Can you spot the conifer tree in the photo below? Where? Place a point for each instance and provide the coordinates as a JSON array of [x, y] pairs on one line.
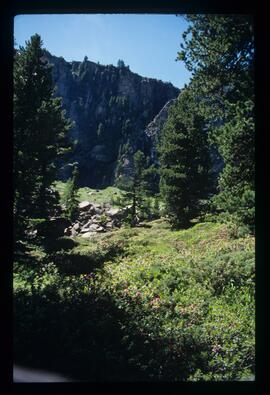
[[139, 162], [40, 129], [185, 161], [71, 195], [136, 187], [219, 51]]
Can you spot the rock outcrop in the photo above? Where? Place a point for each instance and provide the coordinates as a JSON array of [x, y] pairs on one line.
[[154, 129], [95, 218], [111, 107]]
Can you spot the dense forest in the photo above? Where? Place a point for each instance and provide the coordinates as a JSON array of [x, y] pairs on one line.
[[134, 213]]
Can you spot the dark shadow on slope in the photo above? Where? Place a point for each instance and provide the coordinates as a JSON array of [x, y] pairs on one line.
[[81, 338]]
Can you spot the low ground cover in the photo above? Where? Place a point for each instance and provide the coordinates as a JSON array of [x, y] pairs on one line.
[[145, 303]]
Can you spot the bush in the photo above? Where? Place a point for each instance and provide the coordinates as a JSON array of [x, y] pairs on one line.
[[60, 243], [85, 261]]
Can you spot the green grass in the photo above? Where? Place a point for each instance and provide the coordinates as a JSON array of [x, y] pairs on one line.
[[173, 305], [97, 196], [197, 281]]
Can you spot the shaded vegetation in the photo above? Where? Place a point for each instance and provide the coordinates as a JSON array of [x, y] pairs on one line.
[[151, 304]]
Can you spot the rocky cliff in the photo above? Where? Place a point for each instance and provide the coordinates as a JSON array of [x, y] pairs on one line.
[[154, 128], [111, 107]]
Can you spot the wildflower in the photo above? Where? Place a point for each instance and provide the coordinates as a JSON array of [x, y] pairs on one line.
[[216, 348]]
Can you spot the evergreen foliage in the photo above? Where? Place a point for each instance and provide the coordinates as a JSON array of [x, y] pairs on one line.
[[40, 128], [138, 189], [71, 196], [185, 161], [219, 50], [120, 63]]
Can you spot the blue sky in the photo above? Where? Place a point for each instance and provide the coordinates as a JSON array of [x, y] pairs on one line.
[[148, 43]]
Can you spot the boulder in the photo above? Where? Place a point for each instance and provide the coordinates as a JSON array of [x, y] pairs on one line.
[[87, 224], [94, 228], [74, 233], [85, 205], [85, 230], [84, 216], [114, 212], [96, 209], [76, 226]]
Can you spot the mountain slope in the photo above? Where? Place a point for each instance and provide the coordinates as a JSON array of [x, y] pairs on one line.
[[111, 107]]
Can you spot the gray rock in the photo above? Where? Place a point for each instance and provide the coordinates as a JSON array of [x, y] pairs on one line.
[[91, 96], [87, 224], [100, 229], [92, 210], [94, 227], [85, 205], [114, 212], [74, 233], [76, 226], [85, 230], [96, 209]]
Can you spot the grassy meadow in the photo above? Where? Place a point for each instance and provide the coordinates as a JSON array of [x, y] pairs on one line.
[[139, 304]]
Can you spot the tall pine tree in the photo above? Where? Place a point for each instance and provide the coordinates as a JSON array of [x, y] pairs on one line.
[[185, 161], [219, 51], [40, 128]]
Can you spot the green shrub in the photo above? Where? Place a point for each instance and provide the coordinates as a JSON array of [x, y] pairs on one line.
[[85, 261], [60, 243], [141, 305]]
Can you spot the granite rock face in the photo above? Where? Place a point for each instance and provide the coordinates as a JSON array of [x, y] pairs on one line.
[[111, 108], [154, 129]]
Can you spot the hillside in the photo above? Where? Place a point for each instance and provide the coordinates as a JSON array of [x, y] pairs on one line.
[[111, 107], [140, 304]]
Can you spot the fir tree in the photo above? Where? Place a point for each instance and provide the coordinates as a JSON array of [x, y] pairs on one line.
[[185, 161], [135, 187], [71, 196], [219, 51], [139, 162], [40, 129]]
